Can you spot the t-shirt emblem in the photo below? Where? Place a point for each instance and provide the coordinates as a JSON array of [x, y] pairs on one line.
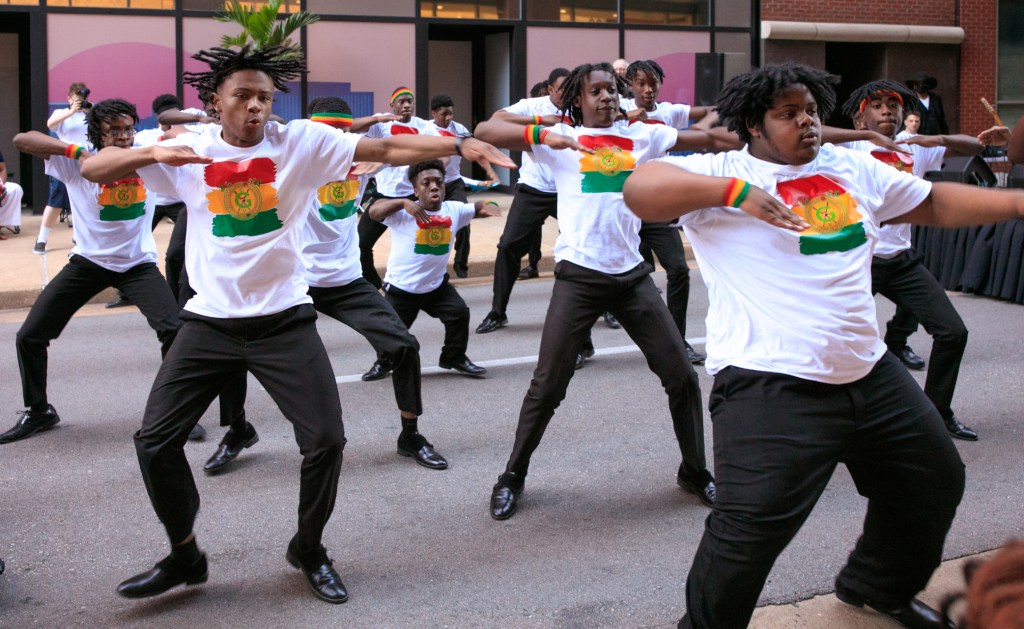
[[338, 199], [608, 167], [122, 200], [243, 199], [835, 223], [434, 236]]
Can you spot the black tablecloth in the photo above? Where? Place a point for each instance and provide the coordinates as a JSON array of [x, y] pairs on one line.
[[986, 260]]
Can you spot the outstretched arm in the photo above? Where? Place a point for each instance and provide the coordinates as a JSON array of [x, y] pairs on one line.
[[658, 191], [835, 135], [113, 163], [715, 140], [486, 209], [383, 208], [959, 205], [403, 150], [41, 145], [509, 135], [955, 144], [171, 117]]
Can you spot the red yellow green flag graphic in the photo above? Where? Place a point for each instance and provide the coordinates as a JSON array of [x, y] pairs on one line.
[[434, 237], [900, 161], [397, 129], [122, 200], [338, 199], [829, 209], [243, 197], [607, 169]]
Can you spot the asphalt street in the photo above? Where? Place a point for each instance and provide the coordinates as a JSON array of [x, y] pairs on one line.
[[604, 538]]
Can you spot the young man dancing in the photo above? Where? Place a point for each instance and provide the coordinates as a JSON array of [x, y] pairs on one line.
[[247, 187], [897, 271], [416, 279], [599, 268], [807, 383], [115, 248]]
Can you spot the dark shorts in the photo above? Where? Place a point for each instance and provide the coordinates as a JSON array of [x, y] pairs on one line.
[[58, 195]]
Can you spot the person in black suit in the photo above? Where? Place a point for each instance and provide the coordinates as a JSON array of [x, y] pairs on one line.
[[933, 117]]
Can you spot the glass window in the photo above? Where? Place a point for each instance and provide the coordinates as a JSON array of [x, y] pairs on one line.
[[599, 11], [17, 2], [287, 6], [1011, 59], [671, 12], [110, 4], [492, 10], [379, 8], [732, 13]]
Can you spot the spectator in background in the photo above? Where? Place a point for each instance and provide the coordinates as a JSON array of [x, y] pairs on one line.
[[912, 122], [10, 203], [933, 116], [69, 125]]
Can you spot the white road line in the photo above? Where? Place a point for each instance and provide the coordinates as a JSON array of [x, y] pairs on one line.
[[519, 360]]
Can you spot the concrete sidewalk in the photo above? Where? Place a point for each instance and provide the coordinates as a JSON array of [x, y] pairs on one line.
[[24, 274]]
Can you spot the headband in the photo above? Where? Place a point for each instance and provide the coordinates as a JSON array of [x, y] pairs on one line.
[[402, 91], [334, 119], [878, 93]]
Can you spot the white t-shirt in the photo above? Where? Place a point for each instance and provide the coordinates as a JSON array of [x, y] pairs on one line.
[[331, 237], [894, 239], [73, 128], [419, 252], [112, 220], [393, 181], [675, 115], [246, 211], [797, 303], [533, 174], [148, 137], [454, 130], [596, 229]]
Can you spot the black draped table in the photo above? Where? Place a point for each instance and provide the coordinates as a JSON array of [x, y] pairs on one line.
[[986, 260]]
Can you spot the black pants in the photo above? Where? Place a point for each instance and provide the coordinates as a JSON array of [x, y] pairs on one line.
[[533, 255], [287, 356], [370, 232], [579, 296], [777, 441], [530, 208], [444, 303], [79, 281], [455, 190], [664, 241], [899, 328], [361, 307], [906, 282], [174, 258]]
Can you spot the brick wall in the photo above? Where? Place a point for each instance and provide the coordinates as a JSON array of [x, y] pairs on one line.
[[977, 63], [930, 12]]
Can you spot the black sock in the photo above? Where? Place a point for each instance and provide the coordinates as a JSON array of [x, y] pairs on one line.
[[409, 426], [187, 553]]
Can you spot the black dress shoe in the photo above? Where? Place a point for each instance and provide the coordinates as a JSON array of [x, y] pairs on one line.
[[914, 614], [323, 579], [198, 433], [120, 302], [958, 430], [696, 358], [464, 366], [528, 273], [230, 447], [702, 486], [909, 358], [31, 422], [611, 321], [421, 451], [505, 495], [584, 355], [461, 272], [377, 372], [491, 323], [165, 575]]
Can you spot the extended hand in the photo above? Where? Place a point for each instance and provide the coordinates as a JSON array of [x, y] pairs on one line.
[[416, 211], [558, 141], [888, 143], [484, 153], [996, 136], [767, 208], [178, 156]]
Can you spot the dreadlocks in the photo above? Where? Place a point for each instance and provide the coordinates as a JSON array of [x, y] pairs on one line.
[[573, 88], [224, 62], [874, 89], [107, 111], [746, 98], [648, 67]]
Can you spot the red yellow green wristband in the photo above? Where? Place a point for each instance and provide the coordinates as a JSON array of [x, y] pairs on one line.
[[736, 192], [534, 134], [73, 151]]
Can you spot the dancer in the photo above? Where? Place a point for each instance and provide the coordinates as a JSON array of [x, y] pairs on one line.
[[808, 383], [247, 186]]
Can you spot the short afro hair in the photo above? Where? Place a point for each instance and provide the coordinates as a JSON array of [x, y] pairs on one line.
[[164, 102], [430, 164], [441, 100], [332, 104], [746, 98]]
